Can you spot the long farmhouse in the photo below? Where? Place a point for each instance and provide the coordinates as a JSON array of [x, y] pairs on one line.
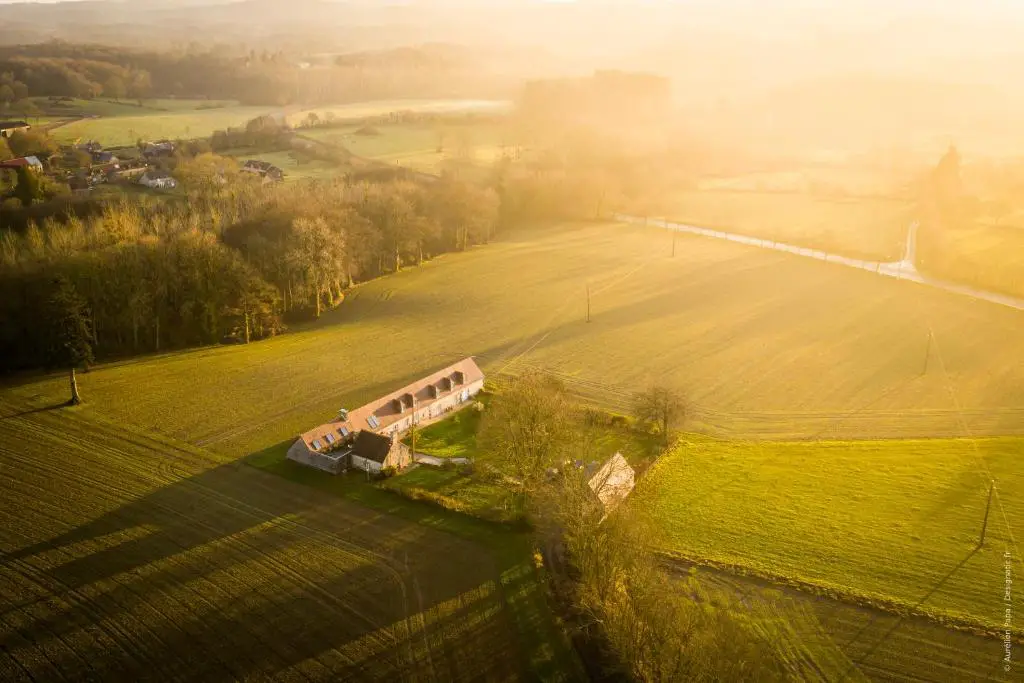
[[369, 438]]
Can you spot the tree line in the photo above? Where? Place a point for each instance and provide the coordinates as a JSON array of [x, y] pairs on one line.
[[60, 69], [237, 263]]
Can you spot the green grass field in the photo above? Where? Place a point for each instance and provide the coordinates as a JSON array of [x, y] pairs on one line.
[[415, 145], [363, 110], [761, 343], [873, 229], [126, 127], [887, 521], [125, 554], [827, 640], [123, 123]]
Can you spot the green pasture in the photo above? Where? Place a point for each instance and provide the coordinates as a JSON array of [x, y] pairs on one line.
[[126, 127], [363, 110], [893, 523], [416, 145]]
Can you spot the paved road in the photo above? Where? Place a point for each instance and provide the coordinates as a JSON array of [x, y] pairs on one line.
[[901, 270]]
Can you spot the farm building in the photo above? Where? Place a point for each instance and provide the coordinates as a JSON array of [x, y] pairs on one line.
[[366, 452], [612, 481], [9, 128], [330, 447]]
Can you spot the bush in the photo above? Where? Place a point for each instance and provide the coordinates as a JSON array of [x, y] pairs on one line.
[[388, 472], [425, 496]]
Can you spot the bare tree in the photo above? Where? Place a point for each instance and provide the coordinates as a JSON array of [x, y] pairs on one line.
[[526, 429], [659, 406]]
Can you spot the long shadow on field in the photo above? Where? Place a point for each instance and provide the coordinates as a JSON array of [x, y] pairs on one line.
[[899, 622], [33, 411], [233, 572]]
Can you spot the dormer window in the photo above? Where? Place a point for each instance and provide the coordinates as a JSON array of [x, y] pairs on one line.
[[317, 445], [330, 438], [398, 405], [458, 377]]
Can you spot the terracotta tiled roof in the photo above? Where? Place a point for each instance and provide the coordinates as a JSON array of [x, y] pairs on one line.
[[387, 413]]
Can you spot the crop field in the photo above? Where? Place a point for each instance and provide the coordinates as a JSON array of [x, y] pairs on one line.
[[873, 229], [894, 523], [415, 145], [129, 556], [765, 344]]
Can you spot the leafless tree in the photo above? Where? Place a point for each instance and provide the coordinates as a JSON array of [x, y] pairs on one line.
[[660, 406]]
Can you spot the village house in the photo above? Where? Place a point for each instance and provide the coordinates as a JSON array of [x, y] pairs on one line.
[[263, 169], [335, 446], [157, 179], [9, 128], [158, 149], [31, 162]]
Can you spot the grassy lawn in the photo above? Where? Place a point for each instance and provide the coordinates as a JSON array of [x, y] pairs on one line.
[[454, 437], [156, 555], [873, 229], [894, 522], [760, 343]]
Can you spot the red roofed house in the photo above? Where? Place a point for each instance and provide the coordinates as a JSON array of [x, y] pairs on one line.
[[339, 445], [28, 162]]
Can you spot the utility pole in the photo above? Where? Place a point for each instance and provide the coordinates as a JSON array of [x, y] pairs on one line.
[[984, 525], [413, 430], [588, 302], [674, 243], [927, 354]]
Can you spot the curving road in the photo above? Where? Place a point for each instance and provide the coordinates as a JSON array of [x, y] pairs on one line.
[[901, 270]]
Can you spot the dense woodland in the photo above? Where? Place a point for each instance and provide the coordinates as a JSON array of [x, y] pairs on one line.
[[234, 264], [257, 77]]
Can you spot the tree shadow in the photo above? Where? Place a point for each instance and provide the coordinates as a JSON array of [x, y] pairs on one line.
[[44, 409], [233, 573]]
